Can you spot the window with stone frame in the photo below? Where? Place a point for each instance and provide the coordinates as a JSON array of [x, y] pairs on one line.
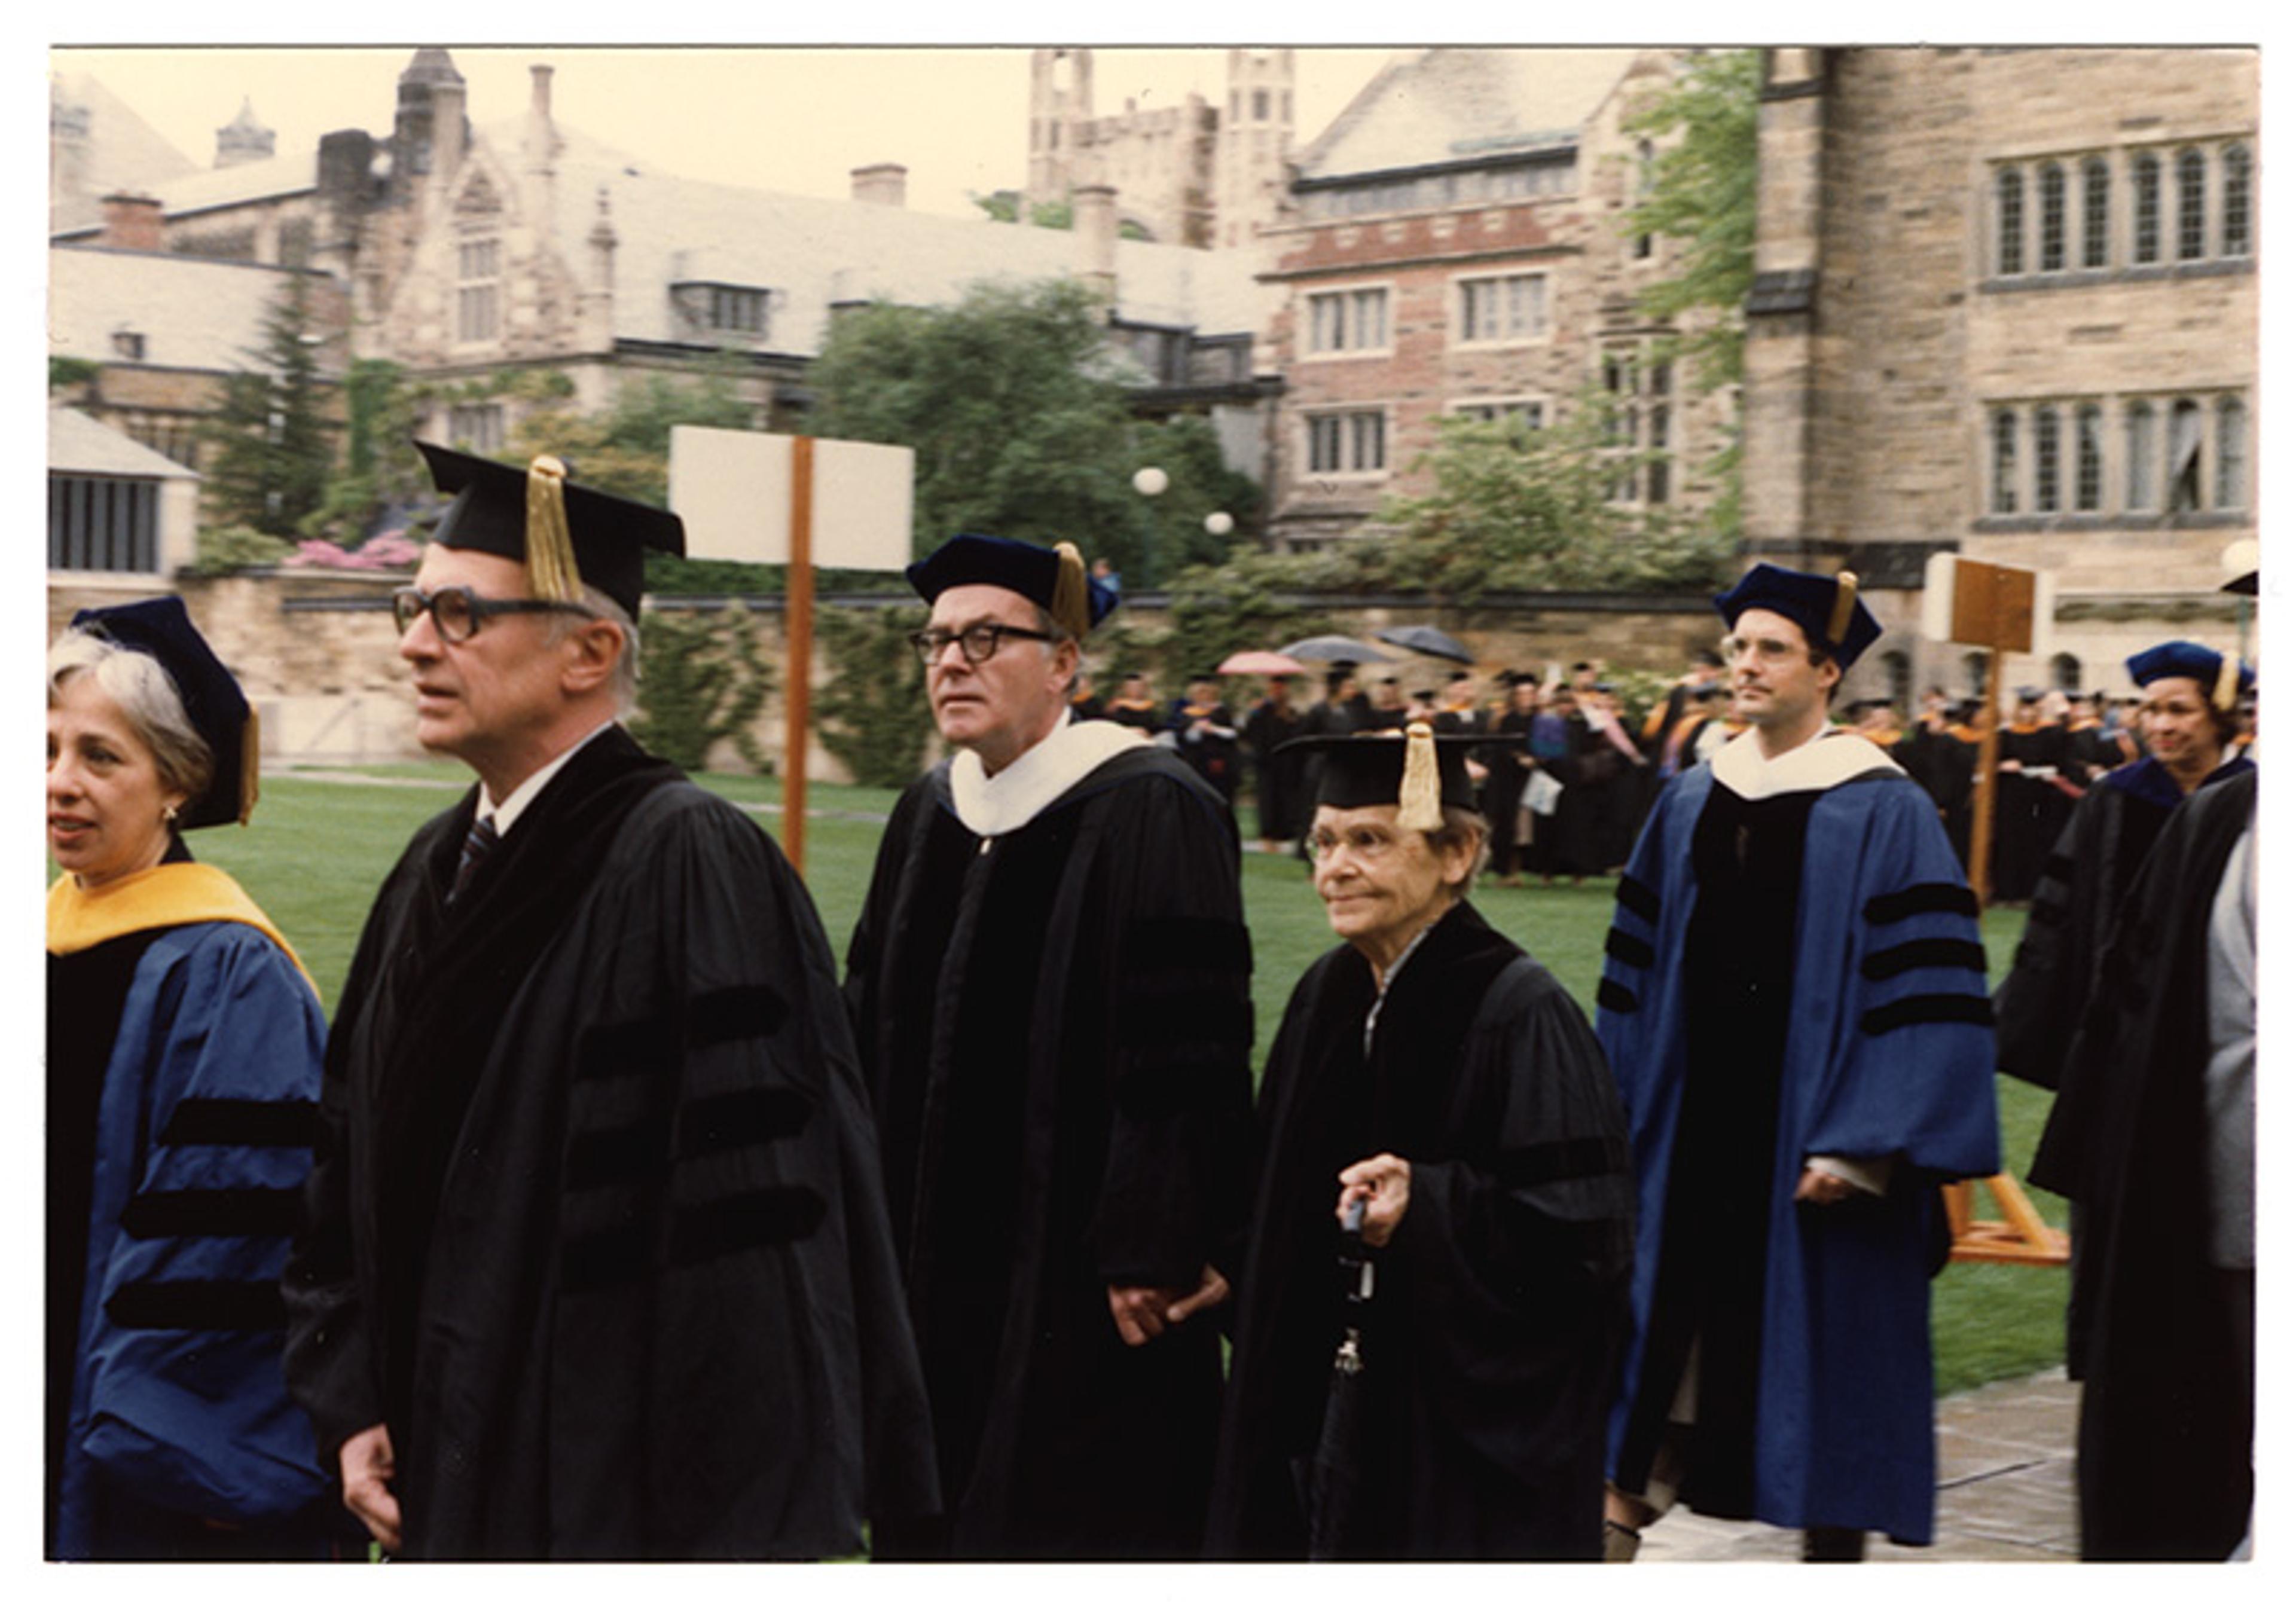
[[1501, 308], [2052, 218], [2234, 208], [2009, 221], [477, 290], [2088, 458], [1346, 321], [2186, 440], [1639, 387], [2231, 454], [2141, 455], [2144, 208], [1645, 181], [1529, 412], [2003, 498], [2097, 213], [2192, 206], [1351, 442], [476, 427], [2045, 464]]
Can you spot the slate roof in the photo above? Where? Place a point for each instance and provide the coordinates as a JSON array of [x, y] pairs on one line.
[[78, 444], [817, 252], [1450, 103], [192, 312], [123, 151]]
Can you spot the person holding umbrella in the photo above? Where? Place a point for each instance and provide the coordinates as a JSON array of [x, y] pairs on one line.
[[1431, 1073]]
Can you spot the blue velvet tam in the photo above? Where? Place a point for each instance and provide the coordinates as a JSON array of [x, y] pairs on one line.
[[494, 511], [1825, 605], [1052, 576], [2221, 682], [161, 629]]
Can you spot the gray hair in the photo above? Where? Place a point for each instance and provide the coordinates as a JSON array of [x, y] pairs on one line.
[[1052, 627], [1463, 824], [626, 667], [140, 686]]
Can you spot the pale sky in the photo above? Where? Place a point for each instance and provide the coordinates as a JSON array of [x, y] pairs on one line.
[[797, 119]]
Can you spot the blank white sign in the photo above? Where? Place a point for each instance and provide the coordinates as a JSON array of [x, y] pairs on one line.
[[731, 487]]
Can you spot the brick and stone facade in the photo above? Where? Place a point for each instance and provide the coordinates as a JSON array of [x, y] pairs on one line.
[[1961, 338]]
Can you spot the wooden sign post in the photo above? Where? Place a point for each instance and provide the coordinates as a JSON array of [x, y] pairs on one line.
[[752, 498], [1986, 604]]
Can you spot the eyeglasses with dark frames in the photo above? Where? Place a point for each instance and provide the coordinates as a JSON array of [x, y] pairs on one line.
[[457, 611], [978, 642]]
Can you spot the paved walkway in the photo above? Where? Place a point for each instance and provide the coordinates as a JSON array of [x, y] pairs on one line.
[[2005, 1487]]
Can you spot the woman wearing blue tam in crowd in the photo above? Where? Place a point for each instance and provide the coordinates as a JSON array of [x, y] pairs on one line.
[[185, 1042]]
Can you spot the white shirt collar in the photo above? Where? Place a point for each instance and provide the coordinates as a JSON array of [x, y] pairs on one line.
[[991, 805], [506, 813], [1825, 760]]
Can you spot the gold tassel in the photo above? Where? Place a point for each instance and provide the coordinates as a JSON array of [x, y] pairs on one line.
[[1071, 609], [250, 761], [1420, 804], [1845, 603], [2228, 690], [550, 567]]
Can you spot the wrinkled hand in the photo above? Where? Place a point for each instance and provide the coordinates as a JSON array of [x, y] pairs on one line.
[[1143, 1313], [368, 1466], [1816, 1186], [1384, 1185]]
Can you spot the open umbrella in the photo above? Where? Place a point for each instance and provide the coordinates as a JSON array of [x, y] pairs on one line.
[[1336, 649], [1335, 1479], [1261, 662], [1428, 640]]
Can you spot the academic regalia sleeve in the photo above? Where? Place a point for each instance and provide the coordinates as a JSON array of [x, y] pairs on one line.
[[183, 1405], [735, 1371], [1634, 1006], [331, 1363], [1514, 1256], [1172, 1189], [2039, 1004], [1911, 1074]]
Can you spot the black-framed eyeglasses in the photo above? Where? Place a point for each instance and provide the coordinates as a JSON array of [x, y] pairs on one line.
[[978, 642], [457, 610]]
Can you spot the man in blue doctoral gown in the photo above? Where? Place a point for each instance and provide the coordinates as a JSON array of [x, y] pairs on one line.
[[1794, 1005]]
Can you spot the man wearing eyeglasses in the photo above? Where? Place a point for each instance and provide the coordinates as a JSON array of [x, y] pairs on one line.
[[596, 1261], [1793, 1002], [1050, 984]]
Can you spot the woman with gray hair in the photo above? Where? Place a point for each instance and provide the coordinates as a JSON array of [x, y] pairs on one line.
[[1433, 1080], [184, 1054]]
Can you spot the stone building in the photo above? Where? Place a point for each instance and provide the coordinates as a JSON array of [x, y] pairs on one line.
[[1187, 174], [1456, 246], [2006, 307]]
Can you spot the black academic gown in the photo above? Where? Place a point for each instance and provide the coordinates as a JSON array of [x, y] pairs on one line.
[[1281, 813], [1501, 1300], [597, 1228], [1056, 1023], [2168, 1407]]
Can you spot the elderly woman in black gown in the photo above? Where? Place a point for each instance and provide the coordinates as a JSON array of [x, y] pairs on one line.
[[1430, 1070]]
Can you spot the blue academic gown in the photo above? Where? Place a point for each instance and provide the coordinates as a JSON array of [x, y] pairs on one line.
[[1887, 1051], [201, 1146]]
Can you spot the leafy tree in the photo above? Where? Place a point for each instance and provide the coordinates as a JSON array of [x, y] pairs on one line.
[[1016, 410], [1701, 194], [1516, 508], [625, 449], [70, 372], [379, 474], [705, 678], [273, 447], [873, 714]]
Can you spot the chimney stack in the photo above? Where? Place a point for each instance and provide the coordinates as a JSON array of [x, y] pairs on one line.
[[883, 183], [131, 221], [448, 128]]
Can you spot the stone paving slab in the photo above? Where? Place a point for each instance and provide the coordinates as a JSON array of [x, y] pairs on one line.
[[2005, 1489]]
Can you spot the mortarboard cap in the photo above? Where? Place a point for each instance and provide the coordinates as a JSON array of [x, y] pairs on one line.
[[1826, 606], [2221, 679], [1052, 576], [566, 534], [162, 630], [1422, 772]]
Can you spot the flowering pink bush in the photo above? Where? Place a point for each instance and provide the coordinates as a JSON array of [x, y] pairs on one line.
[[391, 549]]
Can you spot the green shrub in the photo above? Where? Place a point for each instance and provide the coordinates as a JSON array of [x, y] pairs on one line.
[[705, 679], [874, 716]]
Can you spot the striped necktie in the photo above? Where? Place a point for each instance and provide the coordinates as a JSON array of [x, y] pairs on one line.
[[481, 840]]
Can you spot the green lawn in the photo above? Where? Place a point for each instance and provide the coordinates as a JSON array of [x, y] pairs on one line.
[[320, 847]]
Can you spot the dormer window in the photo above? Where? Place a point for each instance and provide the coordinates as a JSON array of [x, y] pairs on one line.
[[127, 344], [478, 293], [741, 310]]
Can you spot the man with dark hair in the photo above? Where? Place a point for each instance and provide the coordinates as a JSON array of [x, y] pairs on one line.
[[1050, 982], [1793, 1002], [597, 1263]]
